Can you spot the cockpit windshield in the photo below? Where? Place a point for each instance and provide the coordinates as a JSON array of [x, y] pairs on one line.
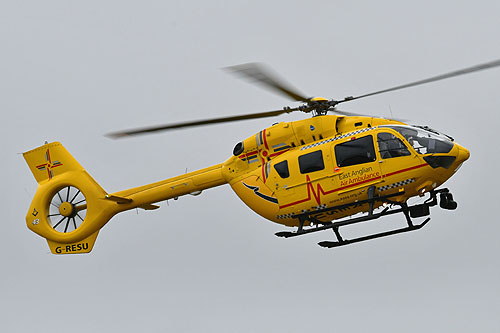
[[424, 142]]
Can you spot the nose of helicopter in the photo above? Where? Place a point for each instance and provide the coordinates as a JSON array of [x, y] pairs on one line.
[[463, 154]]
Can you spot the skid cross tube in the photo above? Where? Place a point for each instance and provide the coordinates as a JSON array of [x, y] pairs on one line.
[[320, 226], [342, 242]]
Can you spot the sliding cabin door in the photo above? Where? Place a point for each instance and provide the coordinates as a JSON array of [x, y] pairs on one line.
[[356, 168]]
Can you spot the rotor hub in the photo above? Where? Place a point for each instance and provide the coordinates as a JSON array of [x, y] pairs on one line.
[[318, 106], [319, 99], [67, 209]]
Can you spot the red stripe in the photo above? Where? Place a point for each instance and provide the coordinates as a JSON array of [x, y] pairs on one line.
[[263, 173], [278, 153], [295, 203], [320, 190], [407, 169], [265, 140]]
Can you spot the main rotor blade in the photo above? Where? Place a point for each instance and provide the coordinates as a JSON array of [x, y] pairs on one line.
[[145, 130], [468, 70], [258, 73]]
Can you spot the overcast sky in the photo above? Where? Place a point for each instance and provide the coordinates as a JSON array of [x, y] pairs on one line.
[[72, 71]]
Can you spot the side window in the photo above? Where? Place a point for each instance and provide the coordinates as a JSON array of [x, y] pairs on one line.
[[282, 169], [390, 146], [311, 162], [355, 152]]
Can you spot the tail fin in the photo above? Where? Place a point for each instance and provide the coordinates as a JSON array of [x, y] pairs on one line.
[[68, 208]]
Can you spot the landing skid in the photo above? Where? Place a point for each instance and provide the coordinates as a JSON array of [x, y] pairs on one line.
[[409, 212]]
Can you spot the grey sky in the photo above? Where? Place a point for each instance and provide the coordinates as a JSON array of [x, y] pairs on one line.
[[73, 71]]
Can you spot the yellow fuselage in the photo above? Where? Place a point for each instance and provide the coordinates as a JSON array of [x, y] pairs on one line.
[[254, 178], [286, 169]]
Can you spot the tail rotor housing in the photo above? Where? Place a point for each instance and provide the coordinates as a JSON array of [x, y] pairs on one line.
[[69, 206]]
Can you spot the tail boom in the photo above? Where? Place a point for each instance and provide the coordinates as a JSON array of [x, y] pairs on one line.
[[70, 207], [189, 183]]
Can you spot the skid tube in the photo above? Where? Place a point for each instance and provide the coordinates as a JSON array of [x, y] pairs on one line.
[[409, 212]]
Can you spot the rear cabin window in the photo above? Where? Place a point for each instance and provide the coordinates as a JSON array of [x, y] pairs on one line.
[[354, 152], [390, 146], [311, 162], [282, 169]]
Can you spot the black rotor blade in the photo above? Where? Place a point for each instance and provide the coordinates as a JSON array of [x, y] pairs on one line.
[[468, 70], [258, 72], [144, 130]]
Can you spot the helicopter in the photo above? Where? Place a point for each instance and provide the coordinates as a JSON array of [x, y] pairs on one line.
[[315, 174]]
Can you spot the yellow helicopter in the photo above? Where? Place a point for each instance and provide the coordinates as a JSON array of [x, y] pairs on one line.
[[315, 174]]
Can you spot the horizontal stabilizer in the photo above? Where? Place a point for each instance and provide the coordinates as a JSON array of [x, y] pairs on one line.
[[149, 207], [117, 199]]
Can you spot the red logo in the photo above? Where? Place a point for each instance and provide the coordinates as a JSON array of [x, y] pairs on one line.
[[49, 165]]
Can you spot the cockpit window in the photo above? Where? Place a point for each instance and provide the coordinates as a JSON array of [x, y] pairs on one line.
[[390, 146], [424, 142]]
